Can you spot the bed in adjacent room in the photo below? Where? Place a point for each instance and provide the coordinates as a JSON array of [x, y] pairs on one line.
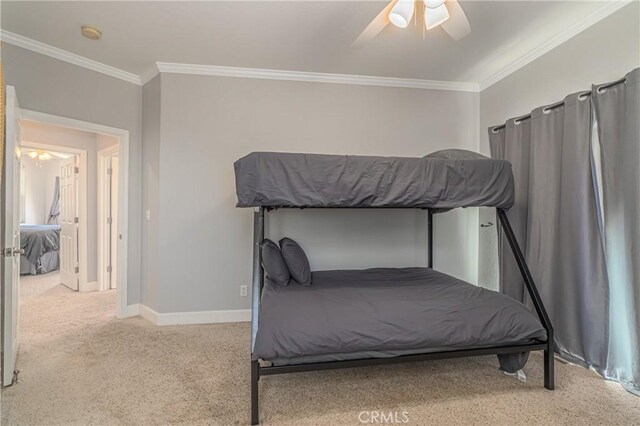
[[41, 245]]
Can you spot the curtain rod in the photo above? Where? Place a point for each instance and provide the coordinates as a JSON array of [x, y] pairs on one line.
[[581, 96]]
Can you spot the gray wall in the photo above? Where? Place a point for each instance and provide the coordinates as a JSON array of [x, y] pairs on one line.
[[209, 122], [105, 141], [604, 52], [150, 181], [55, 87]]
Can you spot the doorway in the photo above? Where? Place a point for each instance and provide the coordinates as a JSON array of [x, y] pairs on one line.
[[53, 210], [110, 142], [12, 243]]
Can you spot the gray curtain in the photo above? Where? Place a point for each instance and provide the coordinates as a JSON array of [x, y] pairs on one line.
[[54, 211], [512, 143], [617, 109], [564, 246], [555, 218]]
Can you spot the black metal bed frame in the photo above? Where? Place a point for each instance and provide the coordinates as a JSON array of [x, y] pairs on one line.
[[258, 282]]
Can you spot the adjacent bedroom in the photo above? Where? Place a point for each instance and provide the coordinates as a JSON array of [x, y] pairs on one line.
[[308, 212], [40, 210]]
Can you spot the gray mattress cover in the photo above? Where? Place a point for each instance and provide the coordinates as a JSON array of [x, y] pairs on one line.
[[384, 310], [445, 179]]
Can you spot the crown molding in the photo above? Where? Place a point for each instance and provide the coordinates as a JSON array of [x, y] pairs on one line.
[[570, 32], [148, 76], [315, 77], [63, 55]]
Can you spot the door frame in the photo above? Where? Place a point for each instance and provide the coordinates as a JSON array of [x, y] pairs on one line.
[[10, 264], [123, 309], [83, 284], [103, 154]]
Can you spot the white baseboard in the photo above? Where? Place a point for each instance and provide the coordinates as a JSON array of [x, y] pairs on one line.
[[130, 311], [90, 286], [148, 314], [197, 317]]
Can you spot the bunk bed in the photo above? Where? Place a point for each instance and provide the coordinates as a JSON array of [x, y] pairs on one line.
[[381, 316]]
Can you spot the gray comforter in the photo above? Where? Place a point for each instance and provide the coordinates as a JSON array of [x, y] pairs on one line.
[[387, 310], [442, 180], [36, 240], [41, 244]]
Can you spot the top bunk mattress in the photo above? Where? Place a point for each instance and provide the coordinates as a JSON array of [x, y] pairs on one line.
[[442, 180], [387, 309]]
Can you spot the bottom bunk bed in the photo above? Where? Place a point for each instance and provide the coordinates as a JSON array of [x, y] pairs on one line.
[[355, 318], [387, 312]]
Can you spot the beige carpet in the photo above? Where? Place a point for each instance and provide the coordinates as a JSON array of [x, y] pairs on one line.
[[79, 365]]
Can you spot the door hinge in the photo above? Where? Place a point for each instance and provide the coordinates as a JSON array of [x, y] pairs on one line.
[[109, 171], [76, 219], [77, 269], [109, 220], [76, 169], [109, 269]]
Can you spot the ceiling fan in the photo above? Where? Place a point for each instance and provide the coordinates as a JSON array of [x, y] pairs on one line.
[[447, 14], [40, 155]]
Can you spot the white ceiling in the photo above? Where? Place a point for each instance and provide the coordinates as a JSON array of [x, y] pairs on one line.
[[311, 36]]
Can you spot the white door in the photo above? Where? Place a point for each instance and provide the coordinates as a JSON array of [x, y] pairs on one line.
[[69, 267], [11, 239], [113, 223]]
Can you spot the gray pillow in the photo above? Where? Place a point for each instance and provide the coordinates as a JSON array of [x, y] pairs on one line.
[[456, 154], [274, 264], [296, 261]]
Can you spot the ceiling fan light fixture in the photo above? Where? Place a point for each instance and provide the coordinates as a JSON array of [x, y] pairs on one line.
[[435, 17], [402, 12], [433, 4]]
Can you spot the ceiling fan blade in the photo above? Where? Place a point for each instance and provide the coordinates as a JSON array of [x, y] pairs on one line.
[[457, 26], [374, 28]]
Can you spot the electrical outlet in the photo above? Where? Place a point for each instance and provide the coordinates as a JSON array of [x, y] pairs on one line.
[[243, 290]]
